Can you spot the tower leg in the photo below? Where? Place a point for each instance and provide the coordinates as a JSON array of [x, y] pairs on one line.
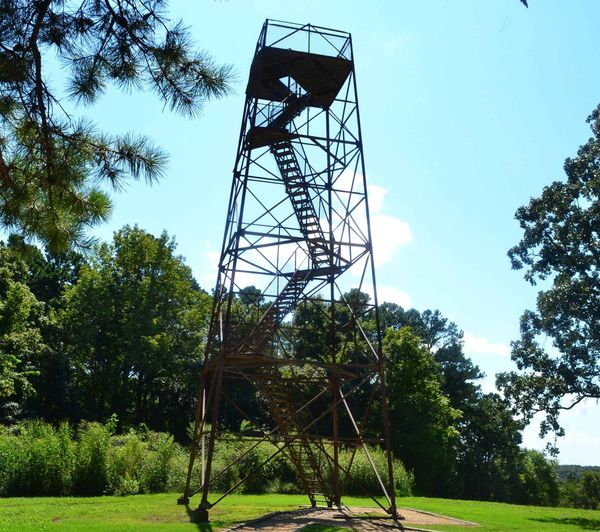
[[200, 515]]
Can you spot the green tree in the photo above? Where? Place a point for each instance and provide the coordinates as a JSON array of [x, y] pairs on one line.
[[489, 451], [538, 480], [486, 450], [21, 315], [50, 161], [135, 324], [589, 490], [313, 338], [47, 276], [49, 273], [423, 423], [560, 248], [445, 341]]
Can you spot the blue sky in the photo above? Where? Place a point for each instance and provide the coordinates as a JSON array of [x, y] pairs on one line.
[[468, 109]]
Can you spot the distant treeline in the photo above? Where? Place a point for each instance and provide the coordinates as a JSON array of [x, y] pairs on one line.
[[574, 472]]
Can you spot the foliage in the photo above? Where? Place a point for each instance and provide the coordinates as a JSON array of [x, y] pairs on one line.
[[574, 472], [589, 487], [38, 459], [538, 480], [362, 480], [49, 160], [560, 248], [423, 422], [21, 316], [92, 472], [488, 453], [123, 329], [582, 492], [445, 341], [135, 324], [279, 475], [47, 275]]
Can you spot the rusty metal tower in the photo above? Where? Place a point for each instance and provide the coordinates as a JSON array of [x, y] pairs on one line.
[[298, 231]]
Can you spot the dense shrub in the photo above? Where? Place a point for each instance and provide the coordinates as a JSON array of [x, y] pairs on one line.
[[92, 472], [362, 479], [276, 475], [279, 476], [38, 459]]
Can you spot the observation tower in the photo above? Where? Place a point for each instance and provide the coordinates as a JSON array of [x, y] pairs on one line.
[[293, 354]]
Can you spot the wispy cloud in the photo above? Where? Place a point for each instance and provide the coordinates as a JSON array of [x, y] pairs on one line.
[[482, 346], [376, 197], [391, 294], [388, 232]]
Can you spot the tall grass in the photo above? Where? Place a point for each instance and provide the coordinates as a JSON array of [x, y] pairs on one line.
[[39, 459]]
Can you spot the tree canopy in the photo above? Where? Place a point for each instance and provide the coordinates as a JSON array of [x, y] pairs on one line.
[[51, 162], [135, 324], [424, 423], [21, 315], [559, 348], [121, 331]]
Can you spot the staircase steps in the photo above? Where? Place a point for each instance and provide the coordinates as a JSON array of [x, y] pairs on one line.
[[298, 192], [294, 105], [286, 301], [279, 395]]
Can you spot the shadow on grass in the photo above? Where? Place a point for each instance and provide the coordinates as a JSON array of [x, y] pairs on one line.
[[580, 522], [204, 527]]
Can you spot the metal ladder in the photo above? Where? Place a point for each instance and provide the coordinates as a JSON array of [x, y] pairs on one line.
[[297, 190], [298, 448], [285, 302]]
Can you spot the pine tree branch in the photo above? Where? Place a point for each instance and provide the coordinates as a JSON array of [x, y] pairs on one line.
[[39, 86]]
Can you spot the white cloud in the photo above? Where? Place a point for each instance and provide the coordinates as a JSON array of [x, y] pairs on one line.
[[376, 197], [582, 434], [391, 294], [482, 346], [388, 234]]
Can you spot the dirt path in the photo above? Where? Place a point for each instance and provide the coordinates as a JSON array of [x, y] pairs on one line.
[[351, 518]]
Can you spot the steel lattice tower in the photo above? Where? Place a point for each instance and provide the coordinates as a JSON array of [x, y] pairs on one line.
[[298, 230]]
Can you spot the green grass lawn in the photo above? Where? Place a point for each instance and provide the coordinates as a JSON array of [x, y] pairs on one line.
[[137, 512], [493, 516], [160, 512]]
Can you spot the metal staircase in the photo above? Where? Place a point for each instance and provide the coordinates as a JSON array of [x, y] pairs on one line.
[[285, 302], [308, 221], [298, 192], [293, 105], [279, 396], [291, 426]]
